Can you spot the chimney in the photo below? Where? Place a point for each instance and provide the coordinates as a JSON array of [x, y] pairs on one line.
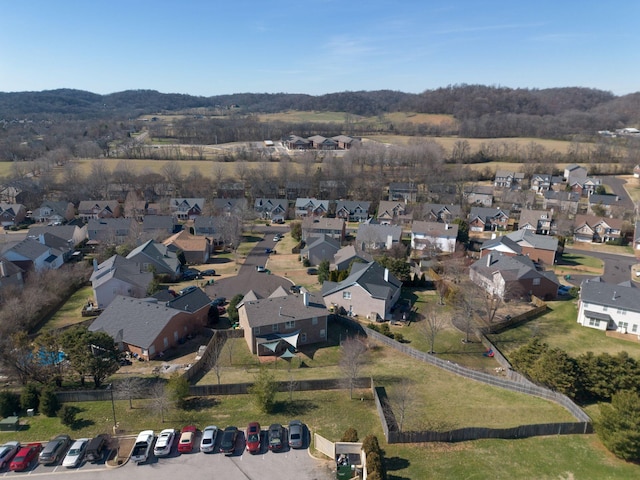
[[614, 295], [305, 298], [95, 264], [389, 242], [446, 226], [493, 236], [489, 260], [386, 274]]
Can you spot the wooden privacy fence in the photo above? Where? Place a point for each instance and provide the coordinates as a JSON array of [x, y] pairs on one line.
[[285, 386], [217, 340]]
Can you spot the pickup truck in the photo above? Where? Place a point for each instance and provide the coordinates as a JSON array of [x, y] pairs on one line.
[[142, 447]]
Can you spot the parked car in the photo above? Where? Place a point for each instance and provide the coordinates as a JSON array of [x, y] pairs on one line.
[[54, 450], [188, 289], [7, 452], [312, 271], [221, 310], [142, 447], [253, 437], [210, 272], [219, 301], [191, 274], [260, 268], [209, 436], [228, 442], [296, 434], [25, 456], [187, 439], [268, 250], [164, 442], [276, 437], [564, 290], [74, 456], [277, 238], [95, 449]]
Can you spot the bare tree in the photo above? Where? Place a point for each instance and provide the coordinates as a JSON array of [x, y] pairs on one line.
[[160, 399], [128, 388], [292, 385], [432, 325], [215, 357], [403, 399], [352, 357]]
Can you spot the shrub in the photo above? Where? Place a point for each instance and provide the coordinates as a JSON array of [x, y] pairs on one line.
[[306, 262], [350, 435], [9, 403], [67, 415], [49, 403], [30, 397]]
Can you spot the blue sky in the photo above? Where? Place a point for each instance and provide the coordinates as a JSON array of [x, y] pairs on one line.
[[218, 47]]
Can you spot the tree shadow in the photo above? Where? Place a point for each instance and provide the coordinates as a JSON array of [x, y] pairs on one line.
[[82, 423], [198, 404], [295, 407], [396, 463]]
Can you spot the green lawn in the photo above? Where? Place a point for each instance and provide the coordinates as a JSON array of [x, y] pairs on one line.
[[71, 311], [559, 328]]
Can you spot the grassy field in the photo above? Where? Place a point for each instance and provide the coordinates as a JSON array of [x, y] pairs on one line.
[[558, 328], [71, 311], [578, 264]]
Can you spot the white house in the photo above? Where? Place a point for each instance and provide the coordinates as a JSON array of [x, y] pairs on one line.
[[441, 236], [609, 306]]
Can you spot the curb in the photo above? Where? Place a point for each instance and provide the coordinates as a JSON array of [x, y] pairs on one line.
[[126, 460]]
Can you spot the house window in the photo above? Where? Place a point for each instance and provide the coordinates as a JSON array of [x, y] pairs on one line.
[[166, 342], [290, 324], [594, 323], [314, 321], [152, 351], [175, 335], [323, 333], [634, 329], [536, 281], [346, 295], [586, 305], [256, 330], [624, 325], [303, 338], [605, 308], [275, 327]]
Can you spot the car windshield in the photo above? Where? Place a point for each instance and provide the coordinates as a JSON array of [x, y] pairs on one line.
[[18, 459], [253, 437], [295, 436], [74, 451], [206, 441]]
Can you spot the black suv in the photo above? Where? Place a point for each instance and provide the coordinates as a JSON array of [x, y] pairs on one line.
[[228, 442]]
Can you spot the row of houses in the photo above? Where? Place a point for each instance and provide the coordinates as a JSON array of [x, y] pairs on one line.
[[318, 142]]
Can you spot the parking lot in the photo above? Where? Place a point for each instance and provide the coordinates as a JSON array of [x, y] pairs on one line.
[[293, 464]]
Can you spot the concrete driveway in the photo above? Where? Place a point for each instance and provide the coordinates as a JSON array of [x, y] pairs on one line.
[[248, 278]]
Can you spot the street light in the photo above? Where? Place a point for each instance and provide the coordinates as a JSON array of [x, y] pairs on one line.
[[113, 408]]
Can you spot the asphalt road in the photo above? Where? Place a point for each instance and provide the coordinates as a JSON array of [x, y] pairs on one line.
[[248, 278], [617, 185], [617, 268]]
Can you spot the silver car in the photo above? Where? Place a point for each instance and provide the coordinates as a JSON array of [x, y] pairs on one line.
[[164, 442], [209, 436], [296, 434], [7, 452], [74, 456]]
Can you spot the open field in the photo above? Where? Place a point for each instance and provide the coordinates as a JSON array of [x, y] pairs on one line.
[[71, 311], [558, 328], [575, 264]]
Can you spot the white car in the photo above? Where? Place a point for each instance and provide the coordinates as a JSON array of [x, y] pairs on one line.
[[74, 456], [142, 447], [208, 442], [164, 442], [277, 238], [7, 452]]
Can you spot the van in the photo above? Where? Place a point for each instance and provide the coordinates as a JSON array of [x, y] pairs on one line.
[[96, 447]]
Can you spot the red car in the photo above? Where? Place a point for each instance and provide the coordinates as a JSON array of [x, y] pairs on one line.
[[253, 437], [187, 439], [25, 456]]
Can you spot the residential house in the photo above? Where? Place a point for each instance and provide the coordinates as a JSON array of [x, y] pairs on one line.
[[72, 234], [294, 142], [186, 208], [539, 248], [602, 205], [92, 209], [482, 219], [508, 179], [11, 275], [352, 210], [403, 191], [371, 236], [281, 323], [112, 231], [159, 226], [540, 182], [54, 212], [156, 257], [393, 213], [30, 254], [369, 291], [58, 245], [12, 214], [607, 306], [320, 248], [311, 207], [593, 229], [318, 142], [208, 226], [146, 327], [344, 257], [434, 237], [636, 171], [229, 206], [513, 277], [561, 201], [443, 193], [479, 195], [119, 276], [314, 227], [345, 142], [585, 187], [438, 212], [636, 236], [538, 221], [573, 171], [196, 249], [274, 209]]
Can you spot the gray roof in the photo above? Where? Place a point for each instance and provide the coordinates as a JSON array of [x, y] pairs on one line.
[[375, 233], [157, 252], [325, 240], [158, 222], [532, 217], [281, 309], [29, 248], [507, 242], [596, 199], [369, 276], [610, 294], [270, 204], [230, 204], [136, 321], [562, 196], [526, 236], [486, 212], [122, 269], [66, 232], [435, 229], [510, 268], [350, 252], [437, 209], [351, 205], [190, 302]]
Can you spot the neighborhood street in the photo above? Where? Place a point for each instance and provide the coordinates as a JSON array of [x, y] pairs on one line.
[[617, 268]]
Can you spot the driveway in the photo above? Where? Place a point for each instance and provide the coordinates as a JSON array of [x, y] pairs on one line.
[[248, 278], [617, 186], [617, 268]]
